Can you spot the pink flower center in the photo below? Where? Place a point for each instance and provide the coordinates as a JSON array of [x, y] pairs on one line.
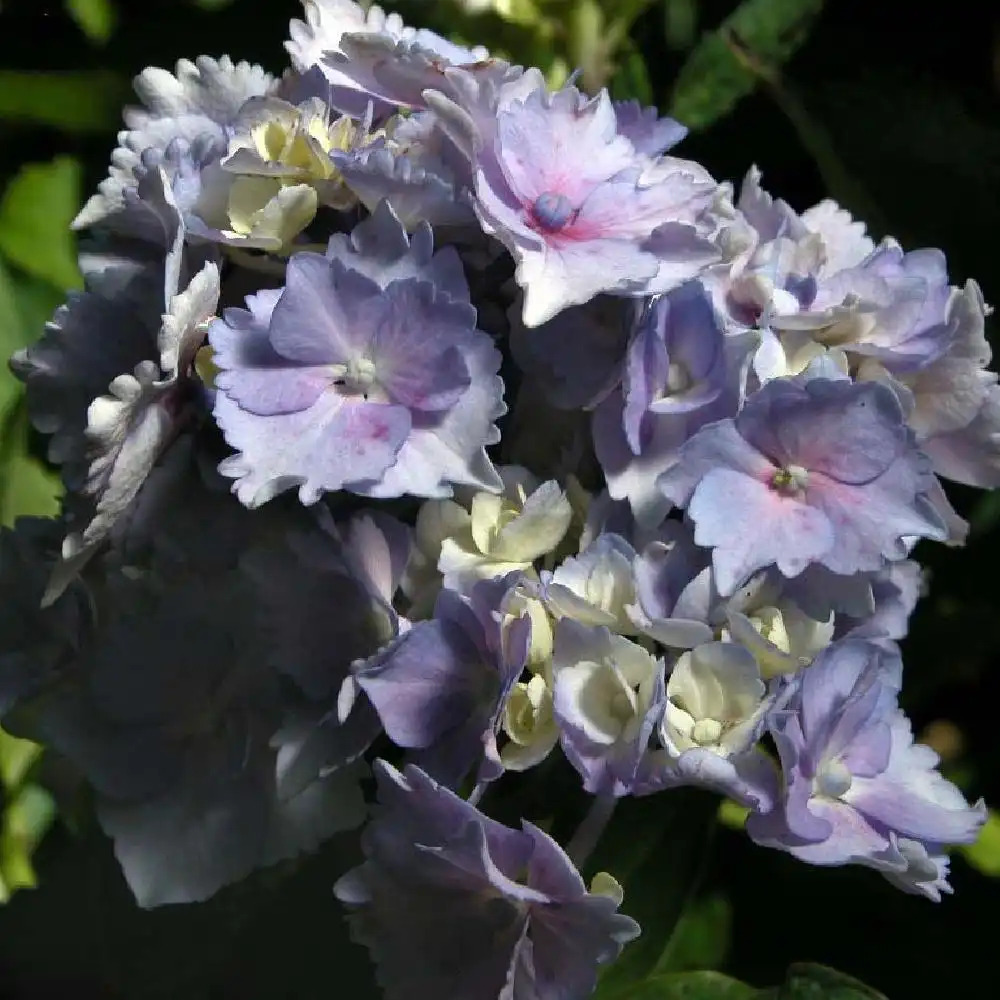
[[552, 211]]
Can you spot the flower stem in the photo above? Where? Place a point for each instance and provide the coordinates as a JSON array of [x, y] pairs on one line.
[[588, 833]]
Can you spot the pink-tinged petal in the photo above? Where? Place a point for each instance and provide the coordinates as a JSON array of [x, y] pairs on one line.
[[714, 446], [368, 357], [502, 215], [851, 837], [558, 181], [851, 432], [751, 526], [539, 142], [567, 274], [335, 442], [450, 447], [634, 205], [873, 520]]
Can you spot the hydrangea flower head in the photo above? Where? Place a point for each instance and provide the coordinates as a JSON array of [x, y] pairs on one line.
[[452, 904], [688, 568], [340, 382]]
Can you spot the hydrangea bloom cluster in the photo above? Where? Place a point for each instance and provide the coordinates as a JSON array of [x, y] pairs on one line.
[[307, 519]]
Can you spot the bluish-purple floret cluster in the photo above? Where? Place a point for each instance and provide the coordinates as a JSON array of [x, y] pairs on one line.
[[415, 411]]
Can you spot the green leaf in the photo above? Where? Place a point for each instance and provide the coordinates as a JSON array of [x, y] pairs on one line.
[[680, 23], [732, 814], [725, 65], [16, 757], [87, 101], [701, 938], [805, 981], [95, 18], [27, 486], [631, 80], [690, 986], [25, 305], [13, 336], [984, 854], [657, 848], [35, 213], [808, 981], [27, 817], [591, 44]]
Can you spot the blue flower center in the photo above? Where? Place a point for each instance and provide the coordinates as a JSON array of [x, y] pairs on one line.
[[833, 781], [552, 211]]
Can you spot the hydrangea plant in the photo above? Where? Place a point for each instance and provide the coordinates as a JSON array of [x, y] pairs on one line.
[[305, 534]]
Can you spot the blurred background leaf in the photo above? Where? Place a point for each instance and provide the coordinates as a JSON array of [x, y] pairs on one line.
[[716, 74], [680, 23], [77, 101], [27, 485], [35, 212], [37, 267], [96, 18], [984, 854], [28, 812]]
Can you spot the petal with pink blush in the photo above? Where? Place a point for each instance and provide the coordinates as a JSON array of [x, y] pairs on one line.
[[750, 526]]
